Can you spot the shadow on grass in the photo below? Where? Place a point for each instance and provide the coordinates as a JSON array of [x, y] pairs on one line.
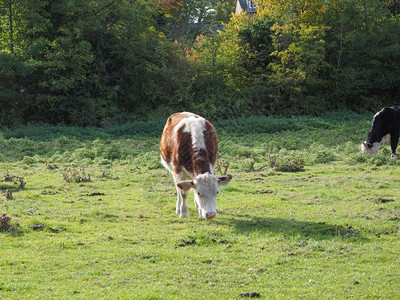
[[14, 189], [14, 232], [314, 230]]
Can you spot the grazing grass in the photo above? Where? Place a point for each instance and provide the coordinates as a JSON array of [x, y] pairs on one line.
[[96, 216]]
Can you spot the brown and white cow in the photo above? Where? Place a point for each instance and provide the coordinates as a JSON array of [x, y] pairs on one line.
[[189, 147]]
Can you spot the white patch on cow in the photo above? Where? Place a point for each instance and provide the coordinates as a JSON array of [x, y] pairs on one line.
[[377, 114], [185, 174], [375, 146], [195, 126], [370, 151], [166, 165], [212, 168], [205, 196]]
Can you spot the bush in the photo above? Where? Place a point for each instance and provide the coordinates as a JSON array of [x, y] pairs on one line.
[[320, 154]]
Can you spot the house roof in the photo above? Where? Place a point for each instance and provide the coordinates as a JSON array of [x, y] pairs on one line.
[[245, 5]]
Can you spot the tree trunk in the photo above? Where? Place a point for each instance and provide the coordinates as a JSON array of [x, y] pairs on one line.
[[11, 36], [340, 45]]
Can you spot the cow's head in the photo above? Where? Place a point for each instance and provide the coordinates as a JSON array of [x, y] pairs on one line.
[[206, 189], [373, 149]]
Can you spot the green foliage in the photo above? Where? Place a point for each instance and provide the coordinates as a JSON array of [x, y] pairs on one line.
[[98, 63], [361, 45], [300, 69], [93, 62], [256, 42], [12, 73]]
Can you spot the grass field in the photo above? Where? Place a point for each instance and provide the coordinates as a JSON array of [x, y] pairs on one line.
[[94, 216]]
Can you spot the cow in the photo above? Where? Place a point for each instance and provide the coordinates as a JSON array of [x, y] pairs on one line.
[[385, 130], [188, 149]]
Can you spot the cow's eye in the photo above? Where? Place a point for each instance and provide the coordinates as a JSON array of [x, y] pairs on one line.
[[198, 194]]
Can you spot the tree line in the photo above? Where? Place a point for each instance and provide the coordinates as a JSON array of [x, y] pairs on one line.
[[99, 62]]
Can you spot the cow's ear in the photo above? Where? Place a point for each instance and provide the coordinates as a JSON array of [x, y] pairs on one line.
[[224, 180], [186, 185]]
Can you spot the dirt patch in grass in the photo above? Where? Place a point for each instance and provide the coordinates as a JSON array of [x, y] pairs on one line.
[[185, 243], [263, 192], [250, 295], [96, 194], [56, 230], [383, 200], [37, 226]]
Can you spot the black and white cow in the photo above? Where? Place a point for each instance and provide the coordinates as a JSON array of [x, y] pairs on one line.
[[385, 130]]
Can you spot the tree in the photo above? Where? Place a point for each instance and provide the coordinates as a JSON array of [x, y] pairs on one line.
[[299, 71], [90, 61]]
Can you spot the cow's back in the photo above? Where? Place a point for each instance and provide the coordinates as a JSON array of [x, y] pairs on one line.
[[391, 118], [186, 138]]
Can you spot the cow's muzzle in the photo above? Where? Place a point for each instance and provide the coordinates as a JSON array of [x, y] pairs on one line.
[[210, 215]]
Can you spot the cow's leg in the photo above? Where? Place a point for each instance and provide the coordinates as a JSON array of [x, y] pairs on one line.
[[184, 205], [182, 208], [178, 201], [179, 196], [394, 140]]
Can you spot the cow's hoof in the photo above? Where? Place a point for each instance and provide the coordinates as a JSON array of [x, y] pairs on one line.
[[184, 215], [178, 211], [393, 156]]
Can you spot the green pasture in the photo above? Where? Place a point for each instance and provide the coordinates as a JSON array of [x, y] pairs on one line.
[[306, 216]]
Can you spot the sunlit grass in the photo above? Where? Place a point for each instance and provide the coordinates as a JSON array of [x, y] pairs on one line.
[[329, 231]]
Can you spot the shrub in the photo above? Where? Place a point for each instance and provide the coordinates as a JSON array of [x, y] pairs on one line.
[[75, 175], [5, 223], [320, 154]]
